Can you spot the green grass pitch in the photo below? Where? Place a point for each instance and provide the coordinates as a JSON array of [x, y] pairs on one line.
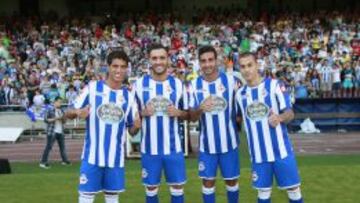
[[325, 179]]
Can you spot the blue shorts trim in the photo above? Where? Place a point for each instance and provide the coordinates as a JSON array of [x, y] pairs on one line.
[[94, 179], [228, 162], [173, 166], [285, 172]]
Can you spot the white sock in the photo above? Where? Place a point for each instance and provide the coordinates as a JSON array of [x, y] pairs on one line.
[[86, 198], [232, 188], [176, 192], [294, 194], [111, 198], [208, 191], [264, 194]]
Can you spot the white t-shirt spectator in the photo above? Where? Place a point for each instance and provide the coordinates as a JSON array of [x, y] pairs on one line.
[[39, 100], [336, 75]]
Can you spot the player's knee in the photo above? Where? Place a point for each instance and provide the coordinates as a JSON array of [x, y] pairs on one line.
[[151, 191], [208, 183], [177, 191], [111, 193], [264, 193], [86, 197], [231, 182], [294, 193]]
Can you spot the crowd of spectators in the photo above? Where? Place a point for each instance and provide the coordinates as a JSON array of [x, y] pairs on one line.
[[316, 55]]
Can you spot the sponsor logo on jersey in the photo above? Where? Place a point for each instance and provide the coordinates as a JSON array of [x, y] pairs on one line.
[[110, 113], [257, 111], [160, 105], [220, 104]]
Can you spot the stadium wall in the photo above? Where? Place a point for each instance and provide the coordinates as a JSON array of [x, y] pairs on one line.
[[184, 7], [59, 6], [9, 7]]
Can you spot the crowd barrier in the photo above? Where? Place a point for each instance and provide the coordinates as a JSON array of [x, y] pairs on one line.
[[328, 114]]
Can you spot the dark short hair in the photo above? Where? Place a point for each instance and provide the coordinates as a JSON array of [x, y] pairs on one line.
[[206, 49], [57, 99], [155, 46], [118, 54], [247, 54]]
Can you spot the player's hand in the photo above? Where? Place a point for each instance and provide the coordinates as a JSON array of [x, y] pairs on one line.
[[148, 110], [83, 113], [137, 121], [274, 119], [207, 105], [172, 111]]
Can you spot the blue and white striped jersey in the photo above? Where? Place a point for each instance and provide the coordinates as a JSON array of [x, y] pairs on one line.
[[160, 133], [266, 143], [111, 112], [218, 131]]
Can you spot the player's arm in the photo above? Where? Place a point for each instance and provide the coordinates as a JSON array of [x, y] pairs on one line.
[[133, 119], [286, 113], [134, 129], [81, 107], [182, 111], [78, 113], [196, 109], [205, 106], [287, 116], [174, 112], [236, 103], [194, 114], [147, 111]]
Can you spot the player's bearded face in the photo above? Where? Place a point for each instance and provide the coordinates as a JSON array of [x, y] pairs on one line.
[[248, 68], [159, 61], [118, 70], [208, 63]]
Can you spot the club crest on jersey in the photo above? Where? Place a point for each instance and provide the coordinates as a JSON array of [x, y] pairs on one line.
[[160, 105], [220, 104], [257, 111], [168, 89], [121, 100], [144, 173], [83, 179], [254, 176], [264, 93], [110, 113], [221, 88], [201, 166]]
